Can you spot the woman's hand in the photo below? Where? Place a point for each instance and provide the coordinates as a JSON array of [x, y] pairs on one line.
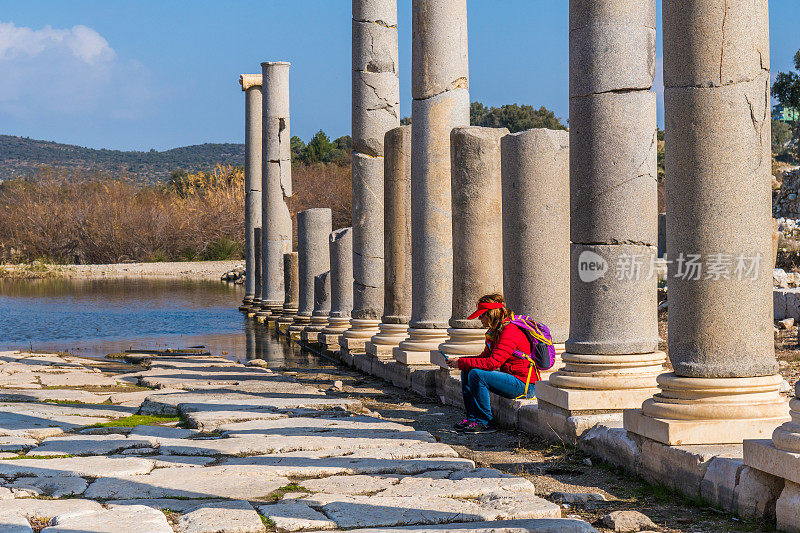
[[452, 362]]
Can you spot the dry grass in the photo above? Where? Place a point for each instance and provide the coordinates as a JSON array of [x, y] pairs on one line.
[[58, 216]]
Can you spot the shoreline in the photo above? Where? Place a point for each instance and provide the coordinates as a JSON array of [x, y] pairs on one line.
[[190, 270]]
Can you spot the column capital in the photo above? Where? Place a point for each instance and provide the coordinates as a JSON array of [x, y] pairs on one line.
[[248, 81]]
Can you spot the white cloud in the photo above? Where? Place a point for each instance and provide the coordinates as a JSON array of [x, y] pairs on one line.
[[67, 72]]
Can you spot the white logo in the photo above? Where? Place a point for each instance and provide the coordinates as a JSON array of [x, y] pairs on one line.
[[591, 266]]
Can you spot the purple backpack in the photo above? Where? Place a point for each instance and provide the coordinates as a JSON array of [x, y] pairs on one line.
[[543, 353]]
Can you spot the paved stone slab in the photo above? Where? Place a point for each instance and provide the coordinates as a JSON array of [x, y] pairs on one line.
[[296, 516], [122, 519], [27, 380], [95, 466], [15, 524], [56, 487], [87, 445], [229, 481], [76, 379], [353, 485], [14, 444], [365, 511], [167, 461], [355, 425], [45, 509], [228, 516], [469, 484], [544, 525], [39, 395], [171, 504], [137, 396], [39, 420]]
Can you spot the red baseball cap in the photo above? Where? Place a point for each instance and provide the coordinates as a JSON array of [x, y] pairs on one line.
[[483, 307]]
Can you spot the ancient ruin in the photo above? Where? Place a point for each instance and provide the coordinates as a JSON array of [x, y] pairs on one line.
[[251, 86]]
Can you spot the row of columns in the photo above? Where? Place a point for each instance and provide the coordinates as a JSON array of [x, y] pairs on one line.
[[444, 212]]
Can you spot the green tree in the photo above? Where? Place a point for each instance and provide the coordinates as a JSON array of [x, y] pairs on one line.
[[786, 90], [514, 117], [318, 149], [781, 135], [298, 148]]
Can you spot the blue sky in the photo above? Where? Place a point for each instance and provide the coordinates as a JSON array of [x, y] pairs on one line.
[[141, 74]]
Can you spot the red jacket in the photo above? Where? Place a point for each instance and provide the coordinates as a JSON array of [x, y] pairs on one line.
[[501, 355]]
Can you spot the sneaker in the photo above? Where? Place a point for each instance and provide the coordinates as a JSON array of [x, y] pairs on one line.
[[461, 425], [475, 428]]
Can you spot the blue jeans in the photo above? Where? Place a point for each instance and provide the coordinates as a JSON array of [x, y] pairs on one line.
[[476, 385]]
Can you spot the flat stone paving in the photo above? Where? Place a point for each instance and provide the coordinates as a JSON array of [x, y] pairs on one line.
[[255, 451]]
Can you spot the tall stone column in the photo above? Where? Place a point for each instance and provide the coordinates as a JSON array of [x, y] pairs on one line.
[[477, 235], [322, 307], [276, 183], [251, 86], [536, 229], [256, 271], [291, 302], [611, 358], [396, 244], [725, 384], [376, 110], [440, 89], [313, 228], [341, 251]]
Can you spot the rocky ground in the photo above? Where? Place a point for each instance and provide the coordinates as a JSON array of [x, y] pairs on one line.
[[193, 443]]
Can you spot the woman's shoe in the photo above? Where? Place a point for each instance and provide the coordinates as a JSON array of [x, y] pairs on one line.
[[475, 428], [461, 425]]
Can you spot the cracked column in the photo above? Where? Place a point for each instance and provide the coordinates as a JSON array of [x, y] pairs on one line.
[[291, 302], [477, 235], [376, 106], [251, 86], [396, 244], [322, 307], [440, 88], [611, 358], [313, 228], [341, 251], [725, 383], [276, 184], [535, 166]]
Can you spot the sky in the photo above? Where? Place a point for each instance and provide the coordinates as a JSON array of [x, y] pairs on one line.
[[142, 74]]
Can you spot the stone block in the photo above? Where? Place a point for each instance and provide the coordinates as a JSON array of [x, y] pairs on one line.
[[363, 362], [763, 455], [586, 400], [757, 493], [400, 375], [541, 525], [718, 486], [614, 445], [505, 411], [423, 380], [787, 508]]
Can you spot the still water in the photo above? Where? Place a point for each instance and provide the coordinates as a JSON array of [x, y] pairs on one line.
[[96, 317]]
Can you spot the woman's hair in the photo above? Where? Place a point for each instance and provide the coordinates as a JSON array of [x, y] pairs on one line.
[[496, 317]]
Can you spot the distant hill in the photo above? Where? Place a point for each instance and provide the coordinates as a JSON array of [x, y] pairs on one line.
[[20, 156]]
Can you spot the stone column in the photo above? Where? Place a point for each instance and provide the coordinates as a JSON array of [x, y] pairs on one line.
[[376, 108], [725, 384], [477, 235], [341, 250], [536, 229], [256, 271], [611, 358], [291, 302], [251, 86], [396, 244], [322, 307], [313, 228], [440, 89], [276, 183]]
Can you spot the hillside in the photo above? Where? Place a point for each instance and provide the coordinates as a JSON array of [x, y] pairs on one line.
[[20, 156]]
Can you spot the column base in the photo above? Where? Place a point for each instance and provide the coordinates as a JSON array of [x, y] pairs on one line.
[[311, 332], [247, 303], [710, 410], [329, 336], [301, 322], [416, 349], [388, 338], [460, 343], [763, 455], [283, 323], [360, 332]]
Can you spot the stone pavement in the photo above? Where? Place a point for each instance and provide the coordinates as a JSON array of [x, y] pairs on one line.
[[200, 444]]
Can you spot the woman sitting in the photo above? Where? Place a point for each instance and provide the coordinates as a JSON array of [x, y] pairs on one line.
[[503, 368]]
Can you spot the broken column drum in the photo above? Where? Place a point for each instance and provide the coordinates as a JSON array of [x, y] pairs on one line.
[[725, 384], [396, 244], [536, 259], [313, 228], [276, 183], [251, 86], [291, 280], [611, 358], [440, 91], [322, 307], [477, 235], [341, 257], [375, 110]]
